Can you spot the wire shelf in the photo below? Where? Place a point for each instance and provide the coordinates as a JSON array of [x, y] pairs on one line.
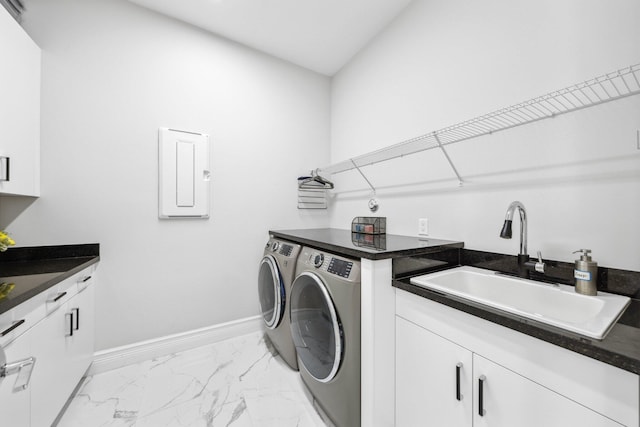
[[609, 87]]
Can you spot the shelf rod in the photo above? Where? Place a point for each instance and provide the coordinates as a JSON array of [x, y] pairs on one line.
[[365, 178], [444, 151]]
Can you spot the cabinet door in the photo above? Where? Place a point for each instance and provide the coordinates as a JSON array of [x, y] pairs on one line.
[[63, 345], [433, 379], [19, 109], [55, 380], [509, 399], [80, 345], [15, 404]]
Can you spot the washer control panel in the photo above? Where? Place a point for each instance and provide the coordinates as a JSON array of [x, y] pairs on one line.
[[340, 267]]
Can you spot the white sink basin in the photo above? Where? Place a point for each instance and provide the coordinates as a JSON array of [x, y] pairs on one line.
[[553, 304]]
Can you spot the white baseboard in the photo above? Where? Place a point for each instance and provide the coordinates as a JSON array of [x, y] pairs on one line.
[[117, 357]]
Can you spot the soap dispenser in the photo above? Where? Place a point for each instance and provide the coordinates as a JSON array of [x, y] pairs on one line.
[[586, 273]]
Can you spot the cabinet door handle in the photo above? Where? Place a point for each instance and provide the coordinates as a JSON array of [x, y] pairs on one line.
[[11, 328], [77, 313], [4, 169], [58, 297], [86, 279], [70, 331], [458, 369], [481, 381]]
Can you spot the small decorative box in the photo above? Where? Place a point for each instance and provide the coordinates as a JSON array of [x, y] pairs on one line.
[[373, 241], [369, 225]]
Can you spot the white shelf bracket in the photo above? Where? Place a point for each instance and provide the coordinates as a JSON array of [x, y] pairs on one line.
[[363, 176], [444, 151]]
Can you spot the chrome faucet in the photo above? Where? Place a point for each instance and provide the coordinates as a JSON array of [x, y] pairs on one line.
[[506, 229], [505, 233]]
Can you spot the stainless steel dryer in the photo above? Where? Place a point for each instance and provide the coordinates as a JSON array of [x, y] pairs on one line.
[[276, 273], [325, 326]]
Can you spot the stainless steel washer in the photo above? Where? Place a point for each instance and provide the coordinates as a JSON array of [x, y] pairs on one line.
[[275, 276], [325, 326]]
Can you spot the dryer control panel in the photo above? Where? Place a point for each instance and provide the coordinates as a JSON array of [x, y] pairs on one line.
[[281, 248]]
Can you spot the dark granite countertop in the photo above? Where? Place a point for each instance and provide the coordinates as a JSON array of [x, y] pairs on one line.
[[35, 269], [374, 247], [620, 347]]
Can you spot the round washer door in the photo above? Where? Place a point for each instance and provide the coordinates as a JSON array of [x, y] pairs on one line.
[[315, 327], [271, 292]]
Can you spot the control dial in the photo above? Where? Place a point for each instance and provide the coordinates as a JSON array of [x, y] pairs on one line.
[[275, 246], [318, 259]]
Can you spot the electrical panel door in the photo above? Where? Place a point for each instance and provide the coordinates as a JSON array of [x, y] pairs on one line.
[[183, 174]]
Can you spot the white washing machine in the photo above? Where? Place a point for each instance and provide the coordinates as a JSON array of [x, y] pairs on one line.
[[275, 276], [325, 326]]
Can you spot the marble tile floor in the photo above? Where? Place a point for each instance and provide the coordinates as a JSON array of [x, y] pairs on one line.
[[237, 382]]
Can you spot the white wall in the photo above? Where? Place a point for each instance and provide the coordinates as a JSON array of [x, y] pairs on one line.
[[113, 73], [442, 62]]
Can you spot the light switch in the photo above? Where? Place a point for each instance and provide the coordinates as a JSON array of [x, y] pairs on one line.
[[184, 175]]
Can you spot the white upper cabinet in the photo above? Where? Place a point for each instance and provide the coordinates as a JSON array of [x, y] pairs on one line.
[[20, 60]]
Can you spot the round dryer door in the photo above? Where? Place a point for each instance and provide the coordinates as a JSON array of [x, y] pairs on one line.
[[315, 327], [271, 292]]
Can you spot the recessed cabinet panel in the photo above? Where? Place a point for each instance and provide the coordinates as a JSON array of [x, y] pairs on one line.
[[183, 174]]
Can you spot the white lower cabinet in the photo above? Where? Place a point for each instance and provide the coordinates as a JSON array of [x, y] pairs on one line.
[[62, 343], [63, 347], [462, 371]]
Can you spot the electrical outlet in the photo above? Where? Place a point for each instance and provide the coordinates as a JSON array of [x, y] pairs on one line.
[[423, 226]]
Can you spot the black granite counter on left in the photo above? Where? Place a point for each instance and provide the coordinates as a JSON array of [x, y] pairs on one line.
[[35, 269]]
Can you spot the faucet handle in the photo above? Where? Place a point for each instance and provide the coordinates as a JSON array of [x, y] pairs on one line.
[[539, 265]]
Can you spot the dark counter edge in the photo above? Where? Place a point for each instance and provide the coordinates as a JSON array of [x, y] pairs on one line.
[[354, 252], [534, 329], [85, 254]]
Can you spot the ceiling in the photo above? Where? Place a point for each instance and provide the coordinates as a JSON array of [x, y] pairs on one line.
[[321, 35]]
